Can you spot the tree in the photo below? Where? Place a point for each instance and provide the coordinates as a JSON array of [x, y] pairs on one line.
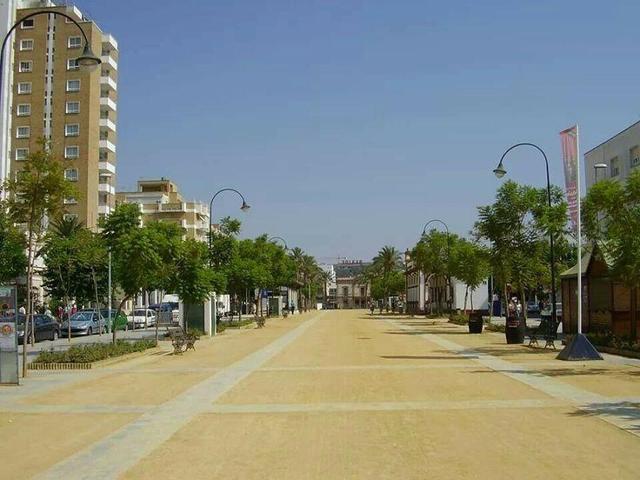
[[13, 261], [193, 279], [612, 218], [517, 227], [470, 265], [75, 263], [36, 194], [385, 264], [136, 256], [433, 256]]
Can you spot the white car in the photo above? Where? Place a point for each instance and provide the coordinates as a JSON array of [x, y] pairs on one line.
[[141, 317]]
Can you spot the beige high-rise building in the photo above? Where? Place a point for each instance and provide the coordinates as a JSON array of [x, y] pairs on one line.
[[74, 109], [160, 200]]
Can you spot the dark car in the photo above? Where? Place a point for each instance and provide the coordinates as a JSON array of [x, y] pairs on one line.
[[46, 327], [85, 322]]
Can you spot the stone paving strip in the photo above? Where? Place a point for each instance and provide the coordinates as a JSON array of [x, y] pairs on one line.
[[338, 368], [383, 406], [140, 437], [622, 414]]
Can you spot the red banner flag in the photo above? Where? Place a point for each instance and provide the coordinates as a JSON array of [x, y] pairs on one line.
[[569, 141]]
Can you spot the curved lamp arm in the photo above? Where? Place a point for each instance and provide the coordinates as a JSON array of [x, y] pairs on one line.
[[281, 239]]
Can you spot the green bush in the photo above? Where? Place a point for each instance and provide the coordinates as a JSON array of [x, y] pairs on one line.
[[606, 338], [459, 319], [494, 328], [94, 352]]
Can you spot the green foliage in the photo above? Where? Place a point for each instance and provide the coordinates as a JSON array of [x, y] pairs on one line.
[[94, 352], [611, 217], [384, 273], [517, 227], [230, 226], [459, 319], [193, 280], [13, 261], [74, 258]]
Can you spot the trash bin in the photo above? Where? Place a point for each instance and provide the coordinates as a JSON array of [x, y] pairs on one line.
[[475, 322], [514, 330]]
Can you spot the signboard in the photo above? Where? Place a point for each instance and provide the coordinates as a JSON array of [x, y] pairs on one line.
[[8, 341]]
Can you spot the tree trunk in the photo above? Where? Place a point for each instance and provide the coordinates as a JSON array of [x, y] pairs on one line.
[[95, 288], [466, 295], [472, 290], [28, 307], [114, 329]]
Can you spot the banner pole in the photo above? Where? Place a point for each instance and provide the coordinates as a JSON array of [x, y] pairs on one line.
[[579, 232]]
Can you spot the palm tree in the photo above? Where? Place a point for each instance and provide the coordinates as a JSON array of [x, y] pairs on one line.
[[387, 261]]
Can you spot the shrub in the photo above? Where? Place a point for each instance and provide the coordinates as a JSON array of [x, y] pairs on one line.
[[94, 352], [459, 318], [494, 328]]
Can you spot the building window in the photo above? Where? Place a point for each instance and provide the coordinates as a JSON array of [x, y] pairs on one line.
[[71, 174], [72, 64], [73, 85], [24, 109], [26, 44], [615, 167], [74, 42], [72, 151], [634, 156], [362, 290], [22, 153], [23, 132], [25, 66], [24, 88], [73, 107], [72, 130], [70, 201], [27, 24], [104, 156]]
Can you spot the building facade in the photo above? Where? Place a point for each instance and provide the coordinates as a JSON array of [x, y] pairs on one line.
[[73, 109], [619, 156], [160, 200], [350, 290]]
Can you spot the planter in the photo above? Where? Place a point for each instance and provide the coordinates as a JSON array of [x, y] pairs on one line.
[[514, 330], [476, 322]]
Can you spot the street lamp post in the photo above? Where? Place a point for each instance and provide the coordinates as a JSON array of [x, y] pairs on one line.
[[500, 172], [88, 61], [244, 207], [286, 248], [424, 231]]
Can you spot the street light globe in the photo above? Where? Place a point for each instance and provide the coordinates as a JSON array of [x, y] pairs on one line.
[[600, 165], [499, 171], [88, 60], [245, 206]]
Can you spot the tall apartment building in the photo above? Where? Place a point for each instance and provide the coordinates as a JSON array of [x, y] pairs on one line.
[[617, 157], [74, 109], [160, 200]]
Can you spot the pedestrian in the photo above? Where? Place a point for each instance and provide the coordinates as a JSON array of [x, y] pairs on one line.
[[292, 307], [59, 312], [371, 307], [74, 309], [22, 310]]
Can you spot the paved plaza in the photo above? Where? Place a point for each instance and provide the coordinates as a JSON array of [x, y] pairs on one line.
[[330, 395]]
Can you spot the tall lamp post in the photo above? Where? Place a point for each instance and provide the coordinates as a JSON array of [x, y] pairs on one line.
[[424, 232], [500, 172], [286, 249], [87, 61], [244, 207]]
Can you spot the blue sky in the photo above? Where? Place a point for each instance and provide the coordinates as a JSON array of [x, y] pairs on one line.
[[349, 124]]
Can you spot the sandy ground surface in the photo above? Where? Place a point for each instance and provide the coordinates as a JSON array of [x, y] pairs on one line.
[[339, 394]]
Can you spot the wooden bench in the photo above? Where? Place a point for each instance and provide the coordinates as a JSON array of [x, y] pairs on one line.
[[180, 340]]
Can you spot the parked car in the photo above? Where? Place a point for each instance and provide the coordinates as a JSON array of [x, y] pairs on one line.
[[84, 322], [46, 327], [546, 311], [120, 322], [141, 317], [533, 308], [168, 312]]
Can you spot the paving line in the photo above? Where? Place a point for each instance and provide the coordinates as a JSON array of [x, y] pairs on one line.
[[624, 415], [335, 368], [73, 409], [105, 459], [333, 407]]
